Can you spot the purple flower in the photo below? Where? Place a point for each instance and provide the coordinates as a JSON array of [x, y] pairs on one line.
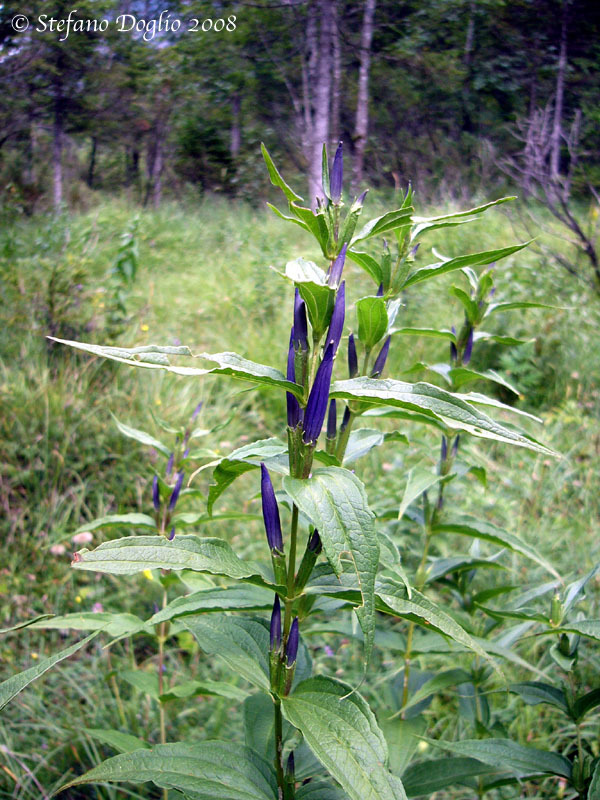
[[331, 420], [275, 630], [316, 408], [381, 359], [359, 202], [299, 329], [335, 271], [291, 651], [336, 326], [290, 768], [468, 346], [455, 445], [314, 543], [270, 511], [379, 290], [197, 410], [337, 175], [352, 357], [294, 412], [444, 450], [453, 350], [172, 534], [345, 418], [155, 493], [176, 490], [328, 651], [169, 469]]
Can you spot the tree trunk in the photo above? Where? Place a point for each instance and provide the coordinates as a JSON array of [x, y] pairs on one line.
[[559, 101], [92, 164], [336, 89], [361, 123], [57, 145], [236, 131], [468, 64], [321, 98]]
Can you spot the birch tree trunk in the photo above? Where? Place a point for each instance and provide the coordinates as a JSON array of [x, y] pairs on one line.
[[560, 92], [321, 82], [361, 123], [57, 146]]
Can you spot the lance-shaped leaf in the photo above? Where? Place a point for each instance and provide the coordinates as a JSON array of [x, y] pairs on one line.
[[425, 778], [429, 400], [508, 755], [233, 598], [518, 304], [336, 503], [15, 684], [141, 436], [457, 218], [112, 624], [206, 770], [442, 333], [242, 643], [391, 221], [341, 730], [273, 452], [462, 375], [276, 178], [131, 520], [157, 357], [417, 482], [478, 529], [451, 264], [25, 624], [138, 553], [370, 265], [122, 742]]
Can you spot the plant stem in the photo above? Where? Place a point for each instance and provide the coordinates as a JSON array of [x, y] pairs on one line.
[[291, 574], [279, 749], [162, 635], [344, 436]]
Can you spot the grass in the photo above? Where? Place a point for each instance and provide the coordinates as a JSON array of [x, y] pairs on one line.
[[204, 280]]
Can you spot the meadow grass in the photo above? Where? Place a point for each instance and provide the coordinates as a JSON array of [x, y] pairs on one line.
[[204, 280]]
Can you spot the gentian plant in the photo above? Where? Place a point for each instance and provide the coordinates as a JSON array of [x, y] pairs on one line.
[[325, 552]]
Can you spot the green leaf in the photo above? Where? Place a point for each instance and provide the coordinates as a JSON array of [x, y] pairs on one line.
[[590, 628], [16, 683], [137, 553], [205, 689], [145, 682], [417, 482], [432, 332], [123, 742], [319, 790], [462, 375], [315, 223], [242, 643], [113, 624], [370, 265], [325, 172], [402, 737], [451, 264], [207, 770], [429, 400], [536, 692], [508, 755], [439, 682], [482, 400], [133, 520], [493, 307], [276, 178], [584, 704], [341, 730], [156, 357], [234, 598], [477, 529], [594, 788], [243, 460], [142, 437], [372, 320], [392, 220], [314, 290], [335, 502], [428, 777], [427, 223], [20, 625], [362, 440]]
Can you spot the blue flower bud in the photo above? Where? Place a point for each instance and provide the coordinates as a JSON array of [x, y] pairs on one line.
[[197, 410], [172, 534], [468, 347], [453, 350], [444, 449], [352, 357], [379, 290], [155, 494], [360, 200], [345, 418], [331, 420], [270, 511], [381, 359], [336, 326], [455, 445], [291, 651], [176, 490], [316, 408], [275, 630], [169, 469], [186, 452], [290, 768], [335, 271], [294, 413], [314, 543], [337, 175], [300, 329]]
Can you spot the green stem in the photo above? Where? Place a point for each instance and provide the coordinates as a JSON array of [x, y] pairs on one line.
[[279, 750], [291, 574], [162, 635], [344, 436]]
